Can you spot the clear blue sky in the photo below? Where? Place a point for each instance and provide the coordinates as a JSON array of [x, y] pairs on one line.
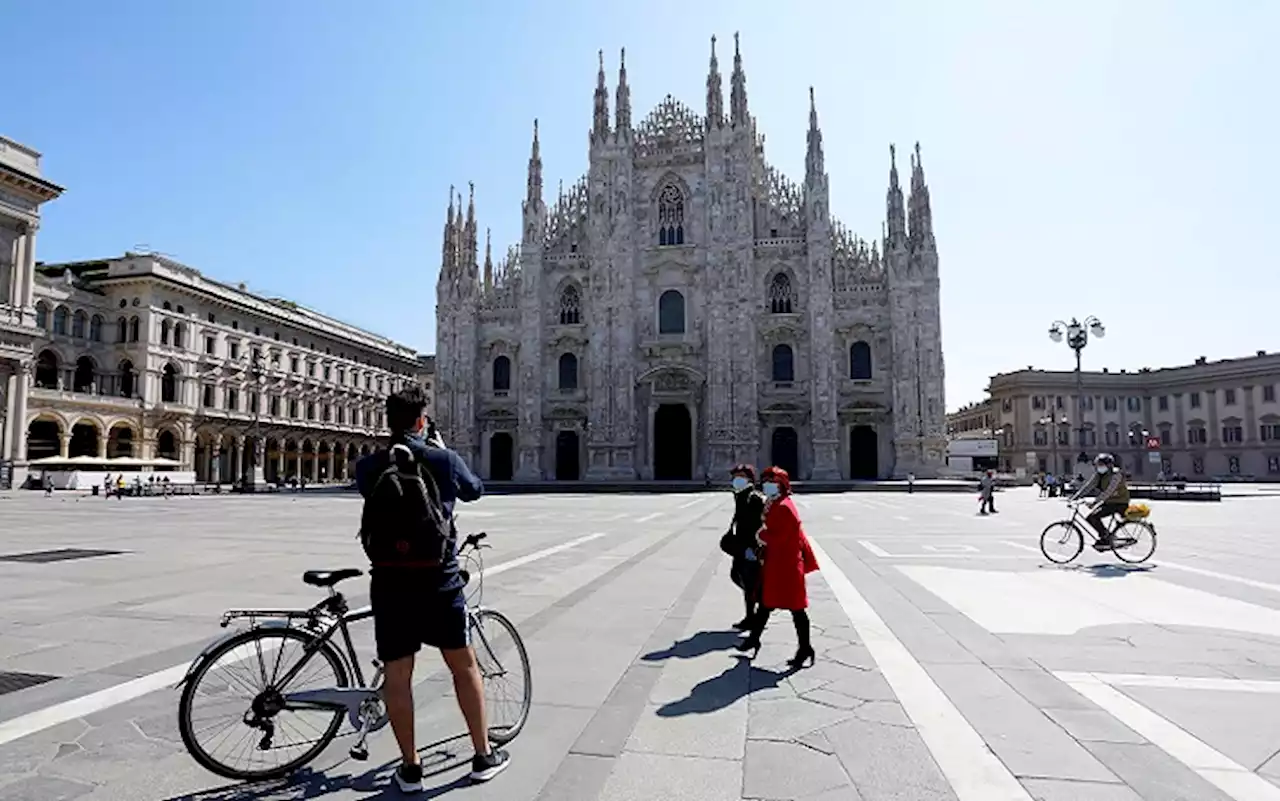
[[307, 147]]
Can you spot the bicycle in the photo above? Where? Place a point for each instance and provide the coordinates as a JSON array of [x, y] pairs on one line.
[[1126, 535], [336, 697]]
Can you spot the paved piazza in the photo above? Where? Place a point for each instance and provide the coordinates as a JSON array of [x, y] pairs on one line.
[[952, 663]]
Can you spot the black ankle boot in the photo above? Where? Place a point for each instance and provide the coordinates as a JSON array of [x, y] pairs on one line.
[[751, 644], [803, 654]]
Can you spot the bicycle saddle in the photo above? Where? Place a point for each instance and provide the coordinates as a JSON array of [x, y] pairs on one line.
[[327, 578]]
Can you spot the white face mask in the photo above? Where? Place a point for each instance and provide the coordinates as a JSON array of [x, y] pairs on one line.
[[739, 483], [770, 489], [1102, 469]]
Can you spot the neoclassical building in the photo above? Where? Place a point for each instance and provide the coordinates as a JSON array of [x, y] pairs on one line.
[[22, 190], [684, 306], [142, 356]]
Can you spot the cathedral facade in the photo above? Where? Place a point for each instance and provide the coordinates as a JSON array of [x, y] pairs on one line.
[[684, 307]]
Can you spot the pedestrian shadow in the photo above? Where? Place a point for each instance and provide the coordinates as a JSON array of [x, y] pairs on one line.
[[700, 644], [736, 682], [1108, 570], [438, 759]]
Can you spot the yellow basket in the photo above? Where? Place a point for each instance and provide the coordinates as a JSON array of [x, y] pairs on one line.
[[1137, 511]]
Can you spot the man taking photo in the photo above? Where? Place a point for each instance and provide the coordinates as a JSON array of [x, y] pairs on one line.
[[415, 588]]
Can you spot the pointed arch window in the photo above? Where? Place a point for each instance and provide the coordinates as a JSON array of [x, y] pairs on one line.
[[670, 216], [502, 375], [570, 306], [781, 294], [126, 379], [671, 312], [78, 322], [42, 316], [784, 363], [60, 316], [860, 361], [122, 330], [135, 326], [568, 371], [165, 329], [95, 328], [179, 335], [169, 384]]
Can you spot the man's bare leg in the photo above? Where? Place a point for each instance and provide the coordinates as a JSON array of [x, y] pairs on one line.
[[397, 692], [470, 689]]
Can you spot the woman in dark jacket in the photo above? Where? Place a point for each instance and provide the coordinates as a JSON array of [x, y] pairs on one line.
[[740, 541], [788, 558]]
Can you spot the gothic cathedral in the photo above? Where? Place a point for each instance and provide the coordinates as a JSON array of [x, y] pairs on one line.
[[684, 307]]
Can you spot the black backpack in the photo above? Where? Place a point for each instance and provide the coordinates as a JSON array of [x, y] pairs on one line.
[[404, 523]]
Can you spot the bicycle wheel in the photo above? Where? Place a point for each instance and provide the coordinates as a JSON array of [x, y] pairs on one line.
[[504, 665], [1061, 542], [1134, 541], [240, 679]]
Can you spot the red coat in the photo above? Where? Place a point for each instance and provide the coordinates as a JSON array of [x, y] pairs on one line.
[[787, 558]]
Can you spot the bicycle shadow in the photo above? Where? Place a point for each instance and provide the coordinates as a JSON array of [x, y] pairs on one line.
[[1103, 570], [438, 758], [700, 644], [735, 683]]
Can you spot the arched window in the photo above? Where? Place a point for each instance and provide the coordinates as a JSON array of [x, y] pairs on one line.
[[180, 336], [784, 363], [502, 374], [860, 360], [60, 318], [568, 371], [781, 296], [165, 328], [670, 216], [134, 326], [78, 322], [126, 379], [42, 316], [169, 384], [47, 370], [84, 377], [671, 312], [570, 306], [95, 329], [122, 330], [167, 306]]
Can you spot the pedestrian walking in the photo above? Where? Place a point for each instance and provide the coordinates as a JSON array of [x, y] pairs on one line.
[[987, 493], [739, 542], [788, 558]]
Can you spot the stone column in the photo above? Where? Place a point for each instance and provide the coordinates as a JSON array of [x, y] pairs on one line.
[[10, 434], [237, 458], [330, 466], [18, 413], [188, 454], [64, 443], [297, 464], [27, 267], [315, 467], [18, 283]]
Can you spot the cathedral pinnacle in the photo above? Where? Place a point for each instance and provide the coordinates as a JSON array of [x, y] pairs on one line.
[[715, 96], [488, 259], [920, 214], [813, 162], [894, 213], [600, 126], [447, 248], [622, 124], [533, 194], [738, 114]]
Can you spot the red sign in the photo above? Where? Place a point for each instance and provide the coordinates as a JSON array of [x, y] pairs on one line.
[[1153, 443]]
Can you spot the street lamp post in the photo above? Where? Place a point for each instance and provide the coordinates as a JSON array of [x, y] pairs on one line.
[[254, 478], [1077, 337]]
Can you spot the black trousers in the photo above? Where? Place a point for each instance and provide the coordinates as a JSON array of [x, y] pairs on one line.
[[988, 503], [1098, 517], [800, 617], [746, 574]]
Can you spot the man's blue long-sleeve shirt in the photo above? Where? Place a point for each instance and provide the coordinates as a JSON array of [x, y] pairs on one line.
[[452, 476]]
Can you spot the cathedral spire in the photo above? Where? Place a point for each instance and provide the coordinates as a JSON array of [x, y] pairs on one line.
[[622, 124], [715, 96], [738, 114], [896, 222], [920, 219], [469, 246], [446, 248], [600, 127], [534, 191], [813, 162], [488, 259]]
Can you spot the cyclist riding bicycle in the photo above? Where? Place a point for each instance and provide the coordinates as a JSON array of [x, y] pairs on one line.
[[1113, 497]]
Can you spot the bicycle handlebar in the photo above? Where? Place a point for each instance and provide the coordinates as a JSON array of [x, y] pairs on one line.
[[472, 541]]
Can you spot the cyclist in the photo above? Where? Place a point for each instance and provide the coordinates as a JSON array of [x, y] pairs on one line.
[[417, 605], [1113, 497]]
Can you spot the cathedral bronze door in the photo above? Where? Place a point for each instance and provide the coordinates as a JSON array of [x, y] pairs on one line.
[[785, 451], [501, 457], [864, 453], [672, 443], [568, 466]]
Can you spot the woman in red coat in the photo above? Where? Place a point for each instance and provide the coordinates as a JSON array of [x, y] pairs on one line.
[[787, 558]]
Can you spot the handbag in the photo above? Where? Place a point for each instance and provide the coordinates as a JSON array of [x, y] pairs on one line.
[[727, 544]]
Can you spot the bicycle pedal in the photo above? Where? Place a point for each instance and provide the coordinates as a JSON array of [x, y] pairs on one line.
[[359, 753]]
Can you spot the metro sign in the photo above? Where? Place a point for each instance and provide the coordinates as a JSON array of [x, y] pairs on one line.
[[1153, 443]]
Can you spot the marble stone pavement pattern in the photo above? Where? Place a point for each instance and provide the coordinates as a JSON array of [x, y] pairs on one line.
[[1094, 683]]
